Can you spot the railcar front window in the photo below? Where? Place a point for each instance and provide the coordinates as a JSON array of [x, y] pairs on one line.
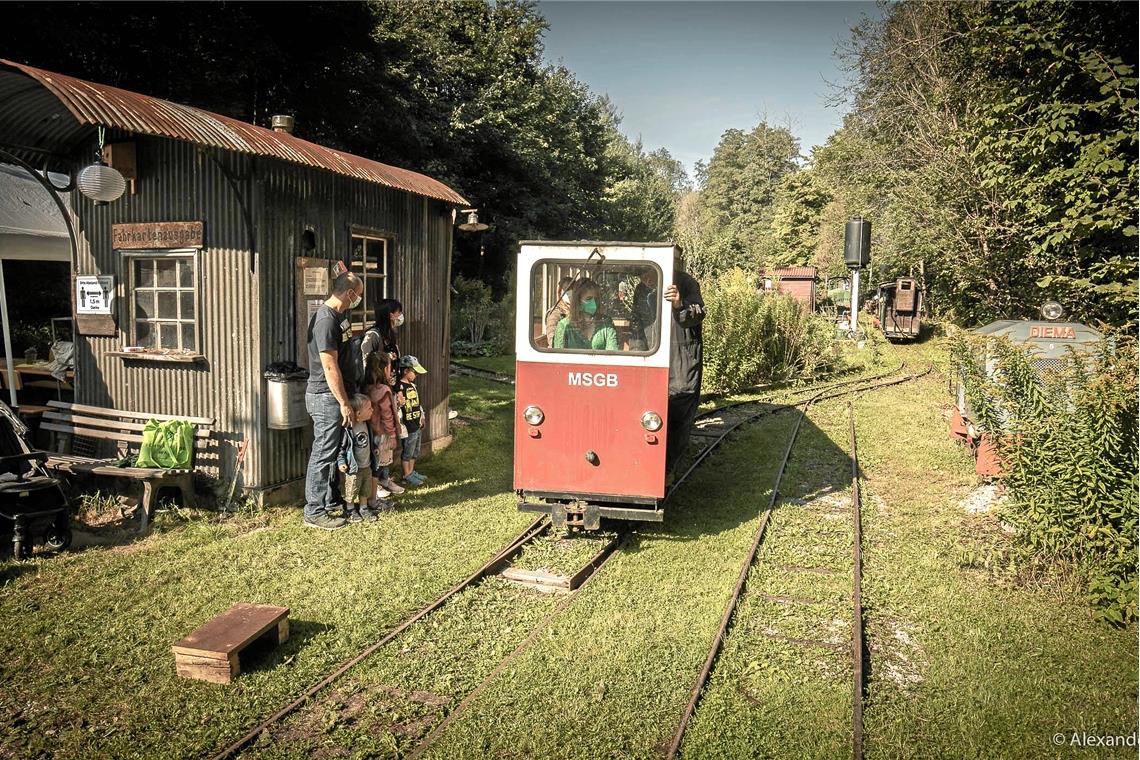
[[586, 307]]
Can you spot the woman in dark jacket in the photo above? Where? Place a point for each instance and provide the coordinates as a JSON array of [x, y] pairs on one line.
[[382, 335]]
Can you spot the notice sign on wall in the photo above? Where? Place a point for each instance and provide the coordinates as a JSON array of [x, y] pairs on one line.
[[93, 293], [316, 281]]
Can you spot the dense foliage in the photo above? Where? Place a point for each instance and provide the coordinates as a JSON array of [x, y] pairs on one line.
[[457, 90], [995, 144], [1068, 441], [755, 337]]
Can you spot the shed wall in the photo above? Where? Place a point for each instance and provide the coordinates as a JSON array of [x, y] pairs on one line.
[[181, 183], [246, 300], [419, 230]]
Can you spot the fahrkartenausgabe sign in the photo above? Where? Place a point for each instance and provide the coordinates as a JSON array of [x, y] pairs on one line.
[[157, 235]]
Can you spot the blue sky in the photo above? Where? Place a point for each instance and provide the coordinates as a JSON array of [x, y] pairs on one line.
[[682, 73]]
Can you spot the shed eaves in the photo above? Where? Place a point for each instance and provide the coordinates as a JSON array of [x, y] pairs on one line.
[[102, 105]]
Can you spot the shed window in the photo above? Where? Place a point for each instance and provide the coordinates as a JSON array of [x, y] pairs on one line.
[[371, 260], [164, 300]]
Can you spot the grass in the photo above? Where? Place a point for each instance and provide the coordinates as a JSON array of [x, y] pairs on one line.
[[84, 637], [962, 664]]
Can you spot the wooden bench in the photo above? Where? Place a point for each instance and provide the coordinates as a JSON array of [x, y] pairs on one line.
[[213, 651], [67, 422]]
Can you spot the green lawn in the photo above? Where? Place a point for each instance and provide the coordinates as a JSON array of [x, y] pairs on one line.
[[961, 664], [85, 637]]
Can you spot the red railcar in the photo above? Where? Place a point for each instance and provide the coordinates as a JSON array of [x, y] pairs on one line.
[[592, 380]]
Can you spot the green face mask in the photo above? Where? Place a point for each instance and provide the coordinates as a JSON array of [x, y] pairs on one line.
[[590, 306]]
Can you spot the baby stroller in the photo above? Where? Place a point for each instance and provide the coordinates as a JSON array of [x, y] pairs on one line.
[[32, 503]]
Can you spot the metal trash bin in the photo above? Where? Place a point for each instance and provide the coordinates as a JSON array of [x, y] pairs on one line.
[[286, 396]]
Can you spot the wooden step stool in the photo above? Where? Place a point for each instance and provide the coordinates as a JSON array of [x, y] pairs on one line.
[[212, 652]]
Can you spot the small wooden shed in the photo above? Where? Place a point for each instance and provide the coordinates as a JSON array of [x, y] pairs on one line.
[[219, 251], [798, 282]]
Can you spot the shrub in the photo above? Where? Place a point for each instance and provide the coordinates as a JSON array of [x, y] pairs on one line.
[[471, 310], [1068, 442], [752, 337]]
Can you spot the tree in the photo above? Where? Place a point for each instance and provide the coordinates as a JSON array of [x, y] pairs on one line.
[[997, 143], [729, 222], [457, 90]]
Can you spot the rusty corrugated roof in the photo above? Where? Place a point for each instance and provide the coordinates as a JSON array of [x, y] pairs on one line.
[[794, 273], [99, 104]]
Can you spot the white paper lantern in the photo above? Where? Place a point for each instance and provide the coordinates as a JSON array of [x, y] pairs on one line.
[[101, 183]]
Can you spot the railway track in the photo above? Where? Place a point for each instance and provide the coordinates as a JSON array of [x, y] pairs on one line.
[[459, 368], [857, 645], [501, 560]]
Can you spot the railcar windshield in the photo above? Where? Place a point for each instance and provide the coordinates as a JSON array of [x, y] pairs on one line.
[[592, 307]]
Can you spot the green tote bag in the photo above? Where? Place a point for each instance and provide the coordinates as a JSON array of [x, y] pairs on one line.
[[168, 444]]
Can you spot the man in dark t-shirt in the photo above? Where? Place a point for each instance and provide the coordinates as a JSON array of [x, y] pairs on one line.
[[326, 398]]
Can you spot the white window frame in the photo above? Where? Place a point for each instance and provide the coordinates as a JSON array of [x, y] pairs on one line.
[[130, 258], [383, 275], [531, 253]]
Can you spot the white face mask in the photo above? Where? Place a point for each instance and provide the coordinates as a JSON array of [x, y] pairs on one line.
[[355, 302], [566, 297], [399, 320]]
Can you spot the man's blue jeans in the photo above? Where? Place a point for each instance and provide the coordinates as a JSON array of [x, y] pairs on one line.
[[327, 432]]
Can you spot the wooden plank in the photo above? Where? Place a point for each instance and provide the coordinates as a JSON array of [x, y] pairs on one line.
[[91, 466], [144, 416], [211, 669], [232, 630], [536, 576], [107, 435], [50, 385]]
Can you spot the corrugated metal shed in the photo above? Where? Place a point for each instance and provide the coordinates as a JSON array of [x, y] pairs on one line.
[[27, 112]]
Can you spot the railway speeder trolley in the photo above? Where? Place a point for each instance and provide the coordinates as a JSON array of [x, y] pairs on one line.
[[900, 308], [592, 380]]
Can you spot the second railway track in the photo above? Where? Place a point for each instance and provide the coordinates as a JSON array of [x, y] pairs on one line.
[[857, 648]]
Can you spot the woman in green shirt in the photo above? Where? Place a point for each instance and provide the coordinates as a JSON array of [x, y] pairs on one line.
[[584, 327]]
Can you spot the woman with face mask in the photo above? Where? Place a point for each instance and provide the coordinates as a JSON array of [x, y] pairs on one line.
[[585, 326], [382, 335]]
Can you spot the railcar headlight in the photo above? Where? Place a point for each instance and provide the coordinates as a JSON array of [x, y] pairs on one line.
[[651, 421], [1052, 311], [533, 415]]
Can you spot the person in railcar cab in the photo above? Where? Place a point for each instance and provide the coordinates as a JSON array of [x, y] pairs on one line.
[[585, 326], [560, 309], [686, 361]]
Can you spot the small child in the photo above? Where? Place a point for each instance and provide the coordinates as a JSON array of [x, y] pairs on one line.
[[355, 462], [385, 430], [411, 417]]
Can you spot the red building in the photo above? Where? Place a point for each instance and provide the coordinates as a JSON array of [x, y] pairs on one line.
[[798, 282]]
